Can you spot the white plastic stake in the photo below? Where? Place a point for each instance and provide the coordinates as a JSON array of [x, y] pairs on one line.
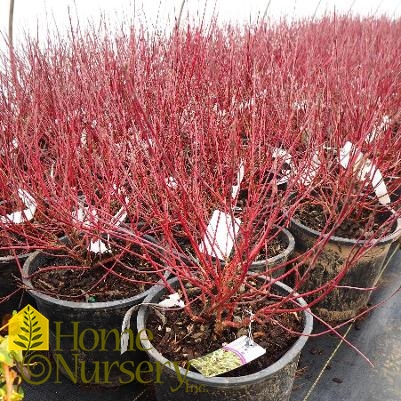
[[25, 215], [280, 153], [220, 234], [345, 154], [172, 301], [240, 177], [171, 182], [84, 139], [366, 169], [380, 188], [311, 170], [120, 216], [98, 246]]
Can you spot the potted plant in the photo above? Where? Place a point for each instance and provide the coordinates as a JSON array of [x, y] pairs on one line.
[[221, 298], [85, 280], [17, 213], [350, 216], [224, 300], [93, 248]]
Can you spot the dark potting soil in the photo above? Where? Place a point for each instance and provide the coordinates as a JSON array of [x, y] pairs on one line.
[[272, 249], [181, 339], [360, 224], [124, 279], [269, 250]]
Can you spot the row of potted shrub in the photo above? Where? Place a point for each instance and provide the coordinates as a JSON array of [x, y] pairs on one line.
[[129, 161]]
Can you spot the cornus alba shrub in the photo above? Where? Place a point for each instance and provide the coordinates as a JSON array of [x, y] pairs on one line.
[[120, 135]]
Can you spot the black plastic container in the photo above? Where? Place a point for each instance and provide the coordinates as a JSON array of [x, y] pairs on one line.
[[269, 264], [80, 352], [342, 303], [10, 281], [271, 384]]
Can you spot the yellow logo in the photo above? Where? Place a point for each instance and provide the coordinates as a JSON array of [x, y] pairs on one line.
[[28, 331]]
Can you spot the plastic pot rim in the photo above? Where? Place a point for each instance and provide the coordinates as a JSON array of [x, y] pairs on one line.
[[238, 381], [78, 305], [11, 258], [282, 255], [350, 241]]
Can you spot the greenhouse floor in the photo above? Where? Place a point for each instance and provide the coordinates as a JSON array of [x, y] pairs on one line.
[[329, 369]]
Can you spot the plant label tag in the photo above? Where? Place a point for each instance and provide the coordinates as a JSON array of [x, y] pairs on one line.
[[119, 217], [311, 170], [380, 187], [240, 177], [286, 158], [346, 153], [233, 355], [171, 182], [172, 301], [98, 246], [25, 215], [220, 234], [366, 169]]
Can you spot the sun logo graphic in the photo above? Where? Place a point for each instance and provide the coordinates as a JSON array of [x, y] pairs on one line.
[[28, 330]]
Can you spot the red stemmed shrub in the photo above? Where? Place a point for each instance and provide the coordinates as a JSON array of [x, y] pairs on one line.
[[159, 128]]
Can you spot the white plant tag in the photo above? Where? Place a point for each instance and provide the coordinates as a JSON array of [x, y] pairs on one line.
[[120, 216], [311, 170], [172, 301], [171, 182], [25, 215], [345, 154], [220, 234], [98, 246], [240, 177], [366, 169], [27, 199], [378, 183], [84, 139], [125, 332], [280, 153], [84, 216], [233, 355]]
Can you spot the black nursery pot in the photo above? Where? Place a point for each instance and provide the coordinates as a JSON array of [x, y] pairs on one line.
[[274, 383], [342, 303], [269, 264], [9, 283], [85, 337]]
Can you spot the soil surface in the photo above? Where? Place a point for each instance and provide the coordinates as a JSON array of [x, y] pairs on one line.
[[272, 249], [181, 339], [361, 224], [124, 279]]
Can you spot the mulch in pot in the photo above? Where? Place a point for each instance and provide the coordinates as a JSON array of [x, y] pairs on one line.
[[129, 276], [361, 223], [181, 339]]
